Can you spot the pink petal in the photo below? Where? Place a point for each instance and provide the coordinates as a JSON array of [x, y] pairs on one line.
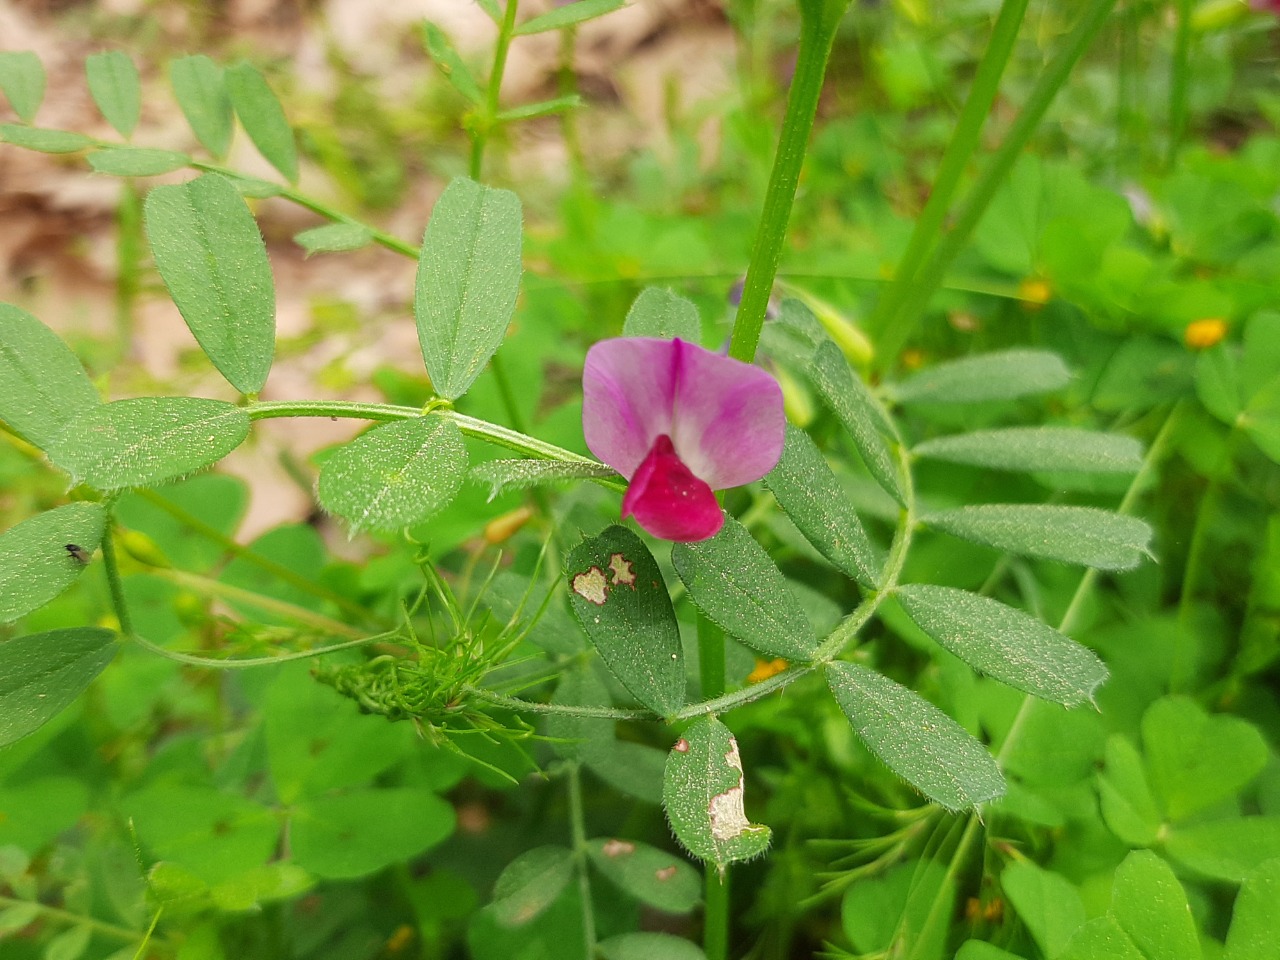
[[668, 501], [628, 395], [729, 425]]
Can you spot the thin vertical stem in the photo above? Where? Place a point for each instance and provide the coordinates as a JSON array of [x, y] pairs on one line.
[[480, 138], [817, 33], [577, 823], [111, 566], [1179, 80], [715, 931]]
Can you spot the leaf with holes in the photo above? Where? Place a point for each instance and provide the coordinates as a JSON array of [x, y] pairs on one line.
[[147, 440], [811, 496], [1005, 643], [468, 278], [395, 475], [35, 564], [733, 581], [42, 384], [702, 791], [41, 673], [618, 595], [212, 258], [915, 739]]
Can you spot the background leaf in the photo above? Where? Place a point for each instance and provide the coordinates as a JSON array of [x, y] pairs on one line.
[[1129, 808], [22, 79], [657, 312], [334, 238], [618, 595], [503, 475], [211, 255], [854, 406], [652, 876], [347, 835], [1256, 915], [649, 946], [450, 63], [568, 15], [1048, 903], [42, 384], [733, 581], [116, 89], [1226, 850], [530, 884], [1038, 448], [262, 117], [468, 278], [35, 565], [147, 440], [202, 94], [702, 791], [395, 475], [1083, 535], [1151, 907], [1005, 375], [915, 739], [812, 497], [1005, 643], [41, 673]]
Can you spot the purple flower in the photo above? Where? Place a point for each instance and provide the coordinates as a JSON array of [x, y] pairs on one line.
[[679, 422]]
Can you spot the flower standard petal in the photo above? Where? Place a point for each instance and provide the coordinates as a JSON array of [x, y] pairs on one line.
[[729, 424], [628, 395]]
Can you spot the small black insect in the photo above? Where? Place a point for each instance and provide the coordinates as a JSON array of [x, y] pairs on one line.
[[78, 553]]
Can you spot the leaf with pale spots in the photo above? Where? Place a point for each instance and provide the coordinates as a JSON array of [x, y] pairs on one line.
[[530, 884], [618, 595], [395, 475], [147, 440], [654, 877], [1005, 643], [702, 791], [915, 739]]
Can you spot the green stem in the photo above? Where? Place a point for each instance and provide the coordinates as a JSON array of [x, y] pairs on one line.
[[929, 277], [128, 264], [1179, 80], [715, 930], [817, 33], [956, 157], [480, 136], [578, 825], [111, 567]]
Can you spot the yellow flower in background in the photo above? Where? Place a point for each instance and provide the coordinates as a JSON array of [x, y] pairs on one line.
[[766, 668], [1203, 334], [1034, 292]]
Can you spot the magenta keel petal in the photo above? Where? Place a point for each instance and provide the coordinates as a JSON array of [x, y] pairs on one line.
[[668, 501]]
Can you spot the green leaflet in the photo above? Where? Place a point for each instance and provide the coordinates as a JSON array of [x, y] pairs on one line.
[[44, 141], [468, 278], [657, 312], [530, 884], [735, 583], [618, 595], [702, 791], [395, 475], [1005, 643], [1083, 535], [503, 475], [42, 384], [22, 79], [993, 376], [147, 440], [212, 258], [263, 118], [649, 946], [450, 63], [136, 161], [568, 16], [116, 89], [35, 565], [915, 739], [202, 94], [41, 673], [861, 415], [334, 238], [1038, 448], [812, 497]]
